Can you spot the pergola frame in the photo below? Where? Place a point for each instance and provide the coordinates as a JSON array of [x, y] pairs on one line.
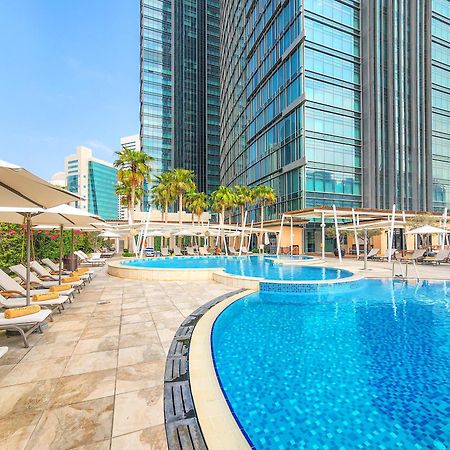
[[359, 218]]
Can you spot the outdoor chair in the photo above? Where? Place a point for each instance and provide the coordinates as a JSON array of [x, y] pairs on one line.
[[232, 251], [372, 254], [415, 256], [204, 251], [54, 268], [244, 251], [11, 286], [89, 261], [164, 251], [18, 301], [21, 271], [43, 273], [26, 325], [385, 256], [190, 251], [440, 257], [177, 251]]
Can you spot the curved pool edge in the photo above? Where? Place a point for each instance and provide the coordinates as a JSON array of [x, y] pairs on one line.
[[195, 408], [117, 269]]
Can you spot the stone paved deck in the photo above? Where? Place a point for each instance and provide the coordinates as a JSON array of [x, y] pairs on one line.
[[94, 379]]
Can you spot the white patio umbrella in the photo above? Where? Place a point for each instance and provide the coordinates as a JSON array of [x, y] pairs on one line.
[[428, 230], [109, 234], [24, 192], [21, 189], [66, 216]]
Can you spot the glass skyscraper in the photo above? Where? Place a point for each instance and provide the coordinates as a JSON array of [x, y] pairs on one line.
[[180, 87], [337, 101]]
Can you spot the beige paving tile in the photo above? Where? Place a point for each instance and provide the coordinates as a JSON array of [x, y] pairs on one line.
[[140, 376], [103, 445], [137, 410], [79, 424], [152, 438], [26, 372], [139, 338], [97, 345], [86, 386], [137, 318], [44, 350], [132, 328], [91, 362], [142, 353], [15, 430], [97, 331], [24, 397], [15, 353]]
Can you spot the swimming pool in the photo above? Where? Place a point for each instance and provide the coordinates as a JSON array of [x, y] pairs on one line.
[[369, 368], [252, 266]]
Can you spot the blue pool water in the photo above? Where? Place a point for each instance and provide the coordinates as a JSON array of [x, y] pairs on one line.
[[253, 266], [366, 368]]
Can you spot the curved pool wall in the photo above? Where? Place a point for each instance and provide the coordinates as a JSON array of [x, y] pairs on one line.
[[248, 272], [367, 367]]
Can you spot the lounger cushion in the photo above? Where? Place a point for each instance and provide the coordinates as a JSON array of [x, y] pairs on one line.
[[31, 318], [42, 297], [23, 311]]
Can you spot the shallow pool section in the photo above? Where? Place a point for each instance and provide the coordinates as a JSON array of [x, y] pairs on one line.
[[248, 266], [367, 368]]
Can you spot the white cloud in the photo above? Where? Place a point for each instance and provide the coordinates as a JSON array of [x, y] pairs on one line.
[[99, 147]]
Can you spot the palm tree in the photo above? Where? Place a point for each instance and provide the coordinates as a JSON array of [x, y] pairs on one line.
[[163, 193], [197, 203], [181, 180], [223, 198], [266, 196], [244, 195], [124, 191], [133, 169]]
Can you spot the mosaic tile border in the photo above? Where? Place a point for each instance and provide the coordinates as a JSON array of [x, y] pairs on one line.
[[182, 426]]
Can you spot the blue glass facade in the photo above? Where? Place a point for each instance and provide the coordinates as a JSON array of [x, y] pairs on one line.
[[291, 115], [440, 76], [337, 102], [180, 87], [102, 199]]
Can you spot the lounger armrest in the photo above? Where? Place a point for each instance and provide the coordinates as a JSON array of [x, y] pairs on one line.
[[9, 294]]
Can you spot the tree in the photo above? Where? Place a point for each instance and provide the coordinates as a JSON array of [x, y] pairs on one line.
[[197, 203], [124, 191], [163, 193], [133, 169], [244, 195], [223, 198], [420, 220], [266, 196], [181, 180]]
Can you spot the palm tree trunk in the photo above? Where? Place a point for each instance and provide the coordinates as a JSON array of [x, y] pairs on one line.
[[222, 238], [133, 199], [180, 207], [242, 214], [166, 212], [262, 222]]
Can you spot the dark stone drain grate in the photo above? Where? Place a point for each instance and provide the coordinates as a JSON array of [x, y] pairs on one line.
[[182, 427]]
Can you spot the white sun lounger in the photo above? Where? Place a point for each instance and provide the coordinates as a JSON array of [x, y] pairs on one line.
[[21, 271], [3, 351], [190, 251], [440, 257], [177, 251], [42, 272], [91, 261], [12, 286], [25, 325], [203, 251], [55, 268], [164, 251], [18, 301]]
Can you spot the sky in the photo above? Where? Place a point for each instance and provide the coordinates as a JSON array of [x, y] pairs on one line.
[[69, 75]]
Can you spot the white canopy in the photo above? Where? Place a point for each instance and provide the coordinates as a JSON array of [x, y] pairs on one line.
[[20, 188], [109, 234], [427, 229]]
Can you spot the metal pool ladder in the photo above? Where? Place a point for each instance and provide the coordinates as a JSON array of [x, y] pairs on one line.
[[404, 274]]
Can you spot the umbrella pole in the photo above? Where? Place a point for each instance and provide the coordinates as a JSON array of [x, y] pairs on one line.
[[61, 251], [28, 226]]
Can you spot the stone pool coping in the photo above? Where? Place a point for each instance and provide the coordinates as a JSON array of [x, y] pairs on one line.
[[196, 412], [116, 268]]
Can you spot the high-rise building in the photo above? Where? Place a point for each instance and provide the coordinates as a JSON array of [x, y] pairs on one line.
[[94, 180], [180, 87], [337, 101], [132, 142]]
